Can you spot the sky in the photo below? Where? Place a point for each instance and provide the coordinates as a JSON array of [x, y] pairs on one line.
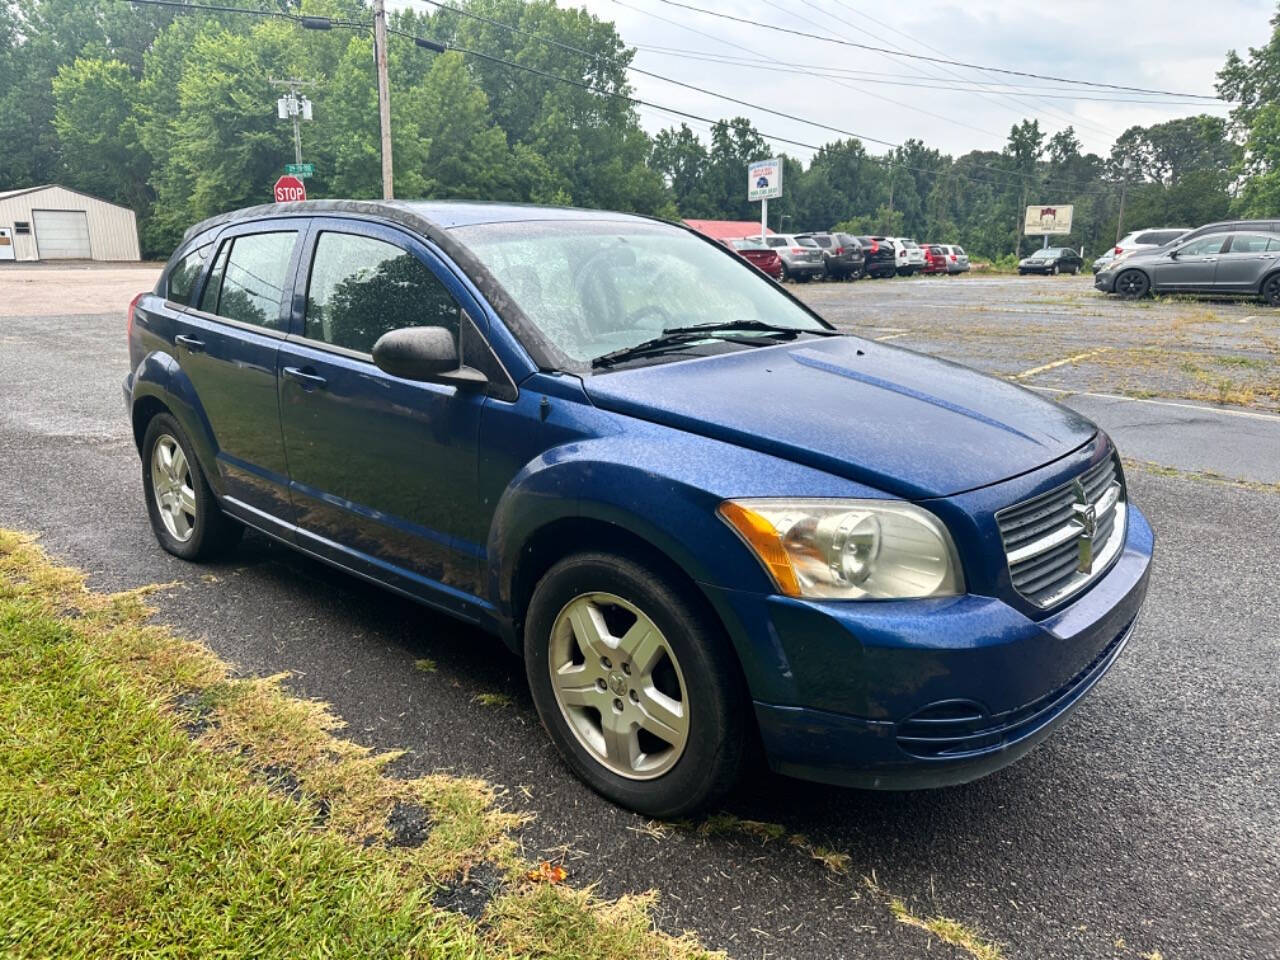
[[1175, 45]]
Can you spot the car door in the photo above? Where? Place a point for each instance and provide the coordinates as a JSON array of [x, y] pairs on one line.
[[1192, 266], [1247, 258], [226, 344], [382, 469]]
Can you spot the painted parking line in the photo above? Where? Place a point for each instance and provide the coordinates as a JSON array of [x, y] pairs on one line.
[[1221, 411], [892, 336], [1058, 363]]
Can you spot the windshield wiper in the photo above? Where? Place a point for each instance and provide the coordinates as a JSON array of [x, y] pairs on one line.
[[678, 336]]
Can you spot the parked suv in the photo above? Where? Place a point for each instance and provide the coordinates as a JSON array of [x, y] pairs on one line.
[[1238, 263], [1232, 226], [801, 256], [841, 253], [880, 256], [957, 259], [1147, 240], [680, 495], [910, 256]]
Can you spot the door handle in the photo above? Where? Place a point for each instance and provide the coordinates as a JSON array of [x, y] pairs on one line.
[[191, 343], [308, 381]]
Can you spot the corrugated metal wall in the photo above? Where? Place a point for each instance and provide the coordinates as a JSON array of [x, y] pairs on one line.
[[113, 230]]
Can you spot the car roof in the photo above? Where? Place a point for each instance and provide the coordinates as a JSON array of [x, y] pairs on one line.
[[443, 214]]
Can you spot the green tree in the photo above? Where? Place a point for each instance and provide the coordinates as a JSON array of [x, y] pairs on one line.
[[96, 119]]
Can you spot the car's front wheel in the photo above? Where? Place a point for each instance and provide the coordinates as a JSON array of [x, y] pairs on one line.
[[1133, 285], [636, 685], [1271, 290], [184, 514], [1055, 271]]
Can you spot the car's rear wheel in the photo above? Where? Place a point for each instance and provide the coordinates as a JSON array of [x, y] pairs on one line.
[[1133, 285], [785, 275], [184, 514], [636, 685], [1271, 290]]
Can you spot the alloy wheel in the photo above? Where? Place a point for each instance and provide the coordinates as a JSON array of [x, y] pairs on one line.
[[619, 686], [1132, 284], [1272, 291], [172, 487]]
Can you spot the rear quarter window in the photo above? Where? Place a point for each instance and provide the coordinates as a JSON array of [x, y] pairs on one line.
[[180, 285]]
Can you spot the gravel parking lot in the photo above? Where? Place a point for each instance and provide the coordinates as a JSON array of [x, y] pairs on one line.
[[1148, 826]]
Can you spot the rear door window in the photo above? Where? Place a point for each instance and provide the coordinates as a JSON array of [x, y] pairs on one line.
[[1249, 243], [248, 278], [361, 288]]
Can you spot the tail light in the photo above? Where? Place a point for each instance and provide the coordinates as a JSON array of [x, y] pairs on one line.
[[839, 250], [953, 258], [1119, 250], [797, 249], [875, 246], [133, 305]]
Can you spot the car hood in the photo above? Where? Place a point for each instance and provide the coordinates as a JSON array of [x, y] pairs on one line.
[[910, 425]]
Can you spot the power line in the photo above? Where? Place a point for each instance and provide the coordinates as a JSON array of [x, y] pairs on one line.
[[961, 84], [920, 56]]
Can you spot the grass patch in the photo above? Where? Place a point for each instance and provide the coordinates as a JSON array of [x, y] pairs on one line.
[[1204, 476], [153, 804], [425, 664], [492, 699], [949, 931]]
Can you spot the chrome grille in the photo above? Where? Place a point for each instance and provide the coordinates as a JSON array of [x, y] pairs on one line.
[[1050, 553]]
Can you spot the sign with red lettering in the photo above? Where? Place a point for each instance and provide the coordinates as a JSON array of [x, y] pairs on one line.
[[290, 188]]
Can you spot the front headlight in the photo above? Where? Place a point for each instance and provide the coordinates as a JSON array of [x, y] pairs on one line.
[[848, 549]]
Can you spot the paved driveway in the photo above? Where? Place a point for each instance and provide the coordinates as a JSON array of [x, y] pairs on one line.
[[1149, 822]]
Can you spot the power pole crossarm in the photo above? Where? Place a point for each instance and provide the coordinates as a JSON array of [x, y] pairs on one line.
[[384, 94]]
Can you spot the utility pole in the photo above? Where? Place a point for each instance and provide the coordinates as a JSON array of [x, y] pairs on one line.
[[295, 107], [1124, 186], [384, 94]]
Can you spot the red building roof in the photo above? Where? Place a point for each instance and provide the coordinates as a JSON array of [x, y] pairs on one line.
[[727, 229]]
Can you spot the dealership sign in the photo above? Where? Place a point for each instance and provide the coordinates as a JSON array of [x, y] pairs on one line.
[[764, 179], [1048, 221]]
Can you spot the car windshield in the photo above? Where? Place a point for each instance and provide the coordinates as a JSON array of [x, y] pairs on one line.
[[1047, 254], [806, 241], [595, 287]]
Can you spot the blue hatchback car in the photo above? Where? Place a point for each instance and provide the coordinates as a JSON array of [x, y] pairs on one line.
[[705, 519]]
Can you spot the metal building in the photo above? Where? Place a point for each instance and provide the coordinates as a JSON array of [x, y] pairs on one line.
[[55, 223]]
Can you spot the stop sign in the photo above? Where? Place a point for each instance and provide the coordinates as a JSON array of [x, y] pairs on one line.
[[290, 188]]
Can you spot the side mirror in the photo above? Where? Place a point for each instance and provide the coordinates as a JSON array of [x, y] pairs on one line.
[[424, 353], [1173, 254]]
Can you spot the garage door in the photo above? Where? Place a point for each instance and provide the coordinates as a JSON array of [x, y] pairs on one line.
[[62, 234]]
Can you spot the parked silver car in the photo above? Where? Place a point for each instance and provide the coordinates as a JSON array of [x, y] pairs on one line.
[[1239, 263], [801, 256], [957, 259]]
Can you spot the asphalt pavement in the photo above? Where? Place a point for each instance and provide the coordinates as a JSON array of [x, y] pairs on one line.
[[1149, 824]]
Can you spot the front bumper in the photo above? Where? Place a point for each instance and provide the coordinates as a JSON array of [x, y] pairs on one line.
[[942, 691], [1105, 281]]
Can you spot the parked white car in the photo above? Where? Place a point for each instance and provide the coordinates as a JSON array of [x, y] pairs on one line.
[[910, 256]]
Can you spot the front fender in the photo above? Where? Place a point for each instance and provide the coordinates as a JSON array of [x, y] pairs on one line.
[[159, 377], [662, 486]]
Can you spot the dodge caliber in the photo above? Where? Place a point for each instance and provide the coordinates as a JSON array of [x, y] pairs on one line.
[[712, 525]]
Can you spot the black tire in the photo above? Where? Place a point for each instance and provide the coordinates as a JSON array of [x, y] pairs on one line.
[[212, 532], [1133, 285], [786, 274], [717, 739], [1271, 289], [1056, 270]]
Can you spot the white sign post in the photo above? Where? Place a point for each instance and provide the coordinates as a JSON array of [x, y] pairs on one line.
[[764, 183]]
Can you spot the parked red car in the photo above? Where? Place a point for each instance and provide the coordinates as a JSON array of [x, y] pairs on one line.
[[935, 259], [760, 255]]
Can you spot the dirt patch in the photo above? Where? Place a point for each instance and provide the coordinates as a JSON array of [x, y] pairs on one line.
[[49, 290]]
